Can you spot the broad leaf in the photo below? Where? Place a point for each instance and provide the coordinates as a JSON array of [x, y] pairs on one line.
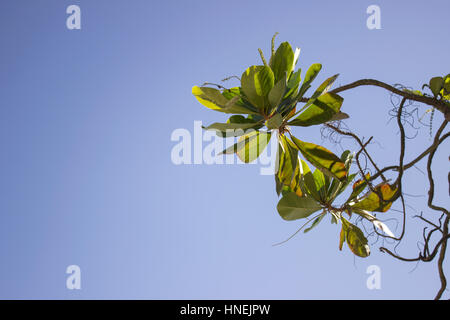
[[355, 239], [232, 129], [307, 181], [372, 201], [322, 89], [436, 85], [256, 83], [293, 207], [251, 145], [358, 187], [213, 99], [445, 92], [274, 122], [287, 165], [293, 84], [321, 111], [277, 93], [237, 118], [322, 159], [282, 61], [321, 187], [339, 116], [311, 74], [236, 91]]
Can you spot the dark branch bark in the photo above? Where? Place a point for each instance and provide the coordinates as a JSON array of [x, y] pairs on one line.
[[438, 104], [441, 261]]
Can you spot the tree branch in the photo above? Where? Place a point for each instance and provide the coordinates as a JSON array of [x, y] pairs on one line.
[[438, 104]]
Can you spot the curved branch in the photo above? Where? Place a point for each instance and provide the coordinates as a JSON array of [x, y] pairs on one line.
[[441, 261], [438, 104]]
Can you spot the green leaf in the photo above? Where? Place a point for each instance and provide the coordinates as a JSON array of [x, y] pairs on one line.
[[339, 116], [315, 223], [322, 89], [237, 118], [282, 61], [311, 74], [231, 129], [319, 180], [293, 207], [256, 83], [436, 85], [342, 236], [372, 201], [322, 159], [251, 145], [236, 91], [307, 181], [337, 186], [277, 92], [274, 122], [445, 92], [279, 164], [213, 99], [288, 159], [293, 84], [355, 238], [358, 187], [322, 110]]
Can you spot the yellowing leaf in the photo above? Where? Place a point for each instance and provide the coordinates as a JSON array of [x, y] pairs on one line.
[[372, 201]]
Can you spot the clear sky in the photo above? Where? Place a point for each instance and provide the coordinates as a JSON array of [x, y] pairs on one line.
[[86, 174]]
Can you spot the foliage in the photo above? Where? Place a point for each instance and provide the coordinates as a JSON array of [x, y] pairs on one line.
[[267, 105]]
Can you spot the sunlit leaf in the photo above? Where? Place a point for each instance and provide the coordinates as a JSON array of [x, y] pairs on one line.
[[287, 165], [337, 186], [322, 159], [282, 61], [232, 129], [319, 180], [213, 99], [256, 83], [445, 92], [322, 110], [372, 201], [307, 181], [358, 187], [251, 145], [311, 74]]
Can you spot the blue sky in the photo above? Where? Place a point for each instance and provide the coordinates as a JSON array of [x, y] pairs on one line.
[[87, 179]]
